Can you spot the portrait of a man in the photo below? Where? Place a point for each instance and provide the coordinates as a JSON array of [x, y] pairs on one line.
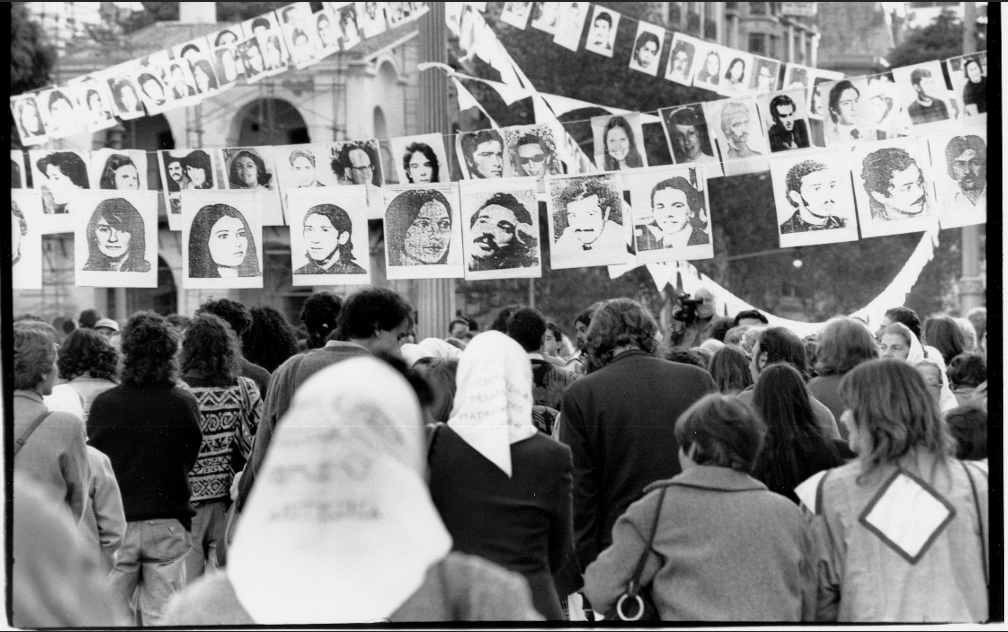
[[302, 168], [927, 108], [678, 220], [966, 163], [587, 217], [357, 163], [735, 125], [603, 32], [647, 48], [688, 135], [531, 154], [680, 64], [788, 131], [483, 152], [765, 75], [812, 189], [328, 241], [844, 122], [502, 236], [895, 185]]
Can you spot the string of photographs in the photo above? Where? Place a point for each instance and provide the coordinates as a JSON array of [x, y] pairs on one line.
[[289, 38]]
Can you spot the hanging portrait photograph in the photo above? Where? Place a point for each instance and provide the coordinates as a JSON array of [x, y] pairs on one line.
[[847, 112], [59, 109], [30, 126], [60, 176], [122, 85], [481, 155], [602, 31], [959, 173], [785, 120], [18, 173], [301, 38], [736, 126], [516, 14], [371, 17], [813, 197], [115, 240], [889, 117], [152, 77], [737, 74], [180, 83], [710, 64], [926, 97], [421, 159], [302, 167], [587, 220], [671, 216], [120, 169], [647, 48], [689, 137], [252, 169], [765, 75], [94, 102], [356, 162], [263, 52], [619, 142], [969, 82], [544, 16], [891, 186], [797, 76], [532, 151], [182, 170], [683, 59], [423, 236], [26, 239], [818, 99], [327, 30], [500, 229], [329, 236], [199, 56], [570, 23], [221, 240], [227, 62]]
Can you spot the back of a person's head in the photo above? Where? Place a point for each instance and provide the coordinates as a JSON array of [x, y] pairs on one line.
[[149, 344], [749, 338], [319, 314], [906, 316], [730, 369], [967, 370], [721, 328], [178, 321], [232, 312], [88, 318], [734, 335], [270, 339], [944, 334], [440, 374], [978, 316], [781, 398], [686, 356], [210, 348], [34, 354], [968, 426], [87, 352], [968, 331], [500, 322], [369, 310], [780, 344], [725, 431], [843, 344], [752, 314], [894, 411], [621, 322], [527, 326]]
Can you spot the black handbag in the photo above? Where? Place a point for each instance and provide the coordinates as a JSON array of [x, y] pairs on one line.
[[636, 604]]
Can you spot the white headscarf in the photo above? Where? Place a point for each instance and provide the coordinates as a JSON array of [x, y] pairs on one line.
[[428, 348], [947, 401], [340, 527], [493, 403]]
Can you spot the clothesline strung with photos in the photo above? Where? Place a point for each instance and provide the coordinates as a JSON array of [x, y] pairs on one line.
[[186, 74]]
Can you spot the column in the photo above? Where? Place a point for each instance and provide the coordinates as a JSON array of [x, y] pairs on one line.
[[971, 290]]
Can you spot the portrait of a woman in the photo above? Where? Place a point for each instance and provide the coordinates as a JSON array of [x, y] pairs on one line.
[[221, 244], [98, 113], [119, 173], [248, 171], [29, 118], [710, 73], [735, 75], [19, 228], [421, 163], [203, 74], [126, 98], [418, 229], [115, 237], [328, 242], [620, 147], [198, 170], [65, 173]]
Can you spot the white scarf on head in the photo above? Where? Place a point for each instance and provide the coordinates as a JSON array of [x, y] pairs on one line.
[[340, 526], [947, 401], [428, 348], [493, 402]]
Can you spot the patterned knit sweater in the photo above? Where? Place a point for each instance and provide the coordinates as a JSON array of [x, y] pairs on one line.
[[229, 417]]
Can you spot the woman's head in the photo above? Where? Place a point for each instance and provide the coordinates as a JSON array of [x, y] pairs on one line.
[[28, 116], [895, 341], [736, 70], [220, 237], [120, 173], [128, 101], [972, 70], [440, 374], [115, 232], [418, 228], [94, 101], [932, 375], [248, 170], [318, 314], [327, 228], [781, 398], [199, 169], [421, 163], [967, 370], [730, 369], [34, 357], [204, 76], [843, 344], [890, 413], [968, 426], [65, 171], [620, 146], [270, 340], [720, 431], [149, 345], [85, 352], [210, 349], [712, 67], [942, 333]]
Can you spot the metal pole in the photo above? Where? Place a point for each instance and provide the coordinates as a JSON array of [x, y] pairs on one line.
[[971, 290]]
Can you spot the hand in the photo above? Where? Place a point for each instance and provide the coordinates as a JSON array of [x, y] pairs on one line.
[[526, 235]]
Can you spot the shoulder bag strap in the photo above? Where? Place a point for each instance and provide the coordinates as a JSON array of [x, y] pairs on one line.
[[27, 433], [634, 586], [983, 536], [432, 436]]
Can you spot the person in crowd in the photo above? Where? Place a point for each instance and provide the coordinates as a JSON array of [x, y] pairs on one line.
[[705, 353], [725, 547], [707, 319], [777, 345], [978, 318], [458, 326], [968, 332], [750, 318], [968, 426], [500, 321], [966, 373], [620, 150], [372, 320], [749, 338], [734, 336], [88, 318], [440, 374], [909, 318], [269, 340], [933, 380], [897, 341], [506, 499], [119, 173], [49, 445], [796, 446], [730, 369], [686, 356], [318, 314], [108, 328], [88, 366], [617, 419], [553, 344], [240, 319], [579, 362], [102, 530], [179, 322], [230, 408], [395, 564], [115, 238], [843, 344], [527, 326], [149, 427], [869, 570]]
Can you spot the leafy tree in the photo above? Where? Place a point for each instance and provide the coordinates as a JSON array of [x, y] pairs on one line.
[[32, 58], [941, 39]]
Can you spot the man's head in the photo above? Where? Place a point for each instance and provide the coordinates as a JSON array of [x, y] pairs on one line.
[[843, 102], [232, 312], [812, 186], [484, 154], [581, 324], [646, 49], [356, 164], [778, 345], [750, 318], [682, 58], [708, 308], [532, 155], [685, 128], [894, 182], [527, 326], [494, 229], [674, 202], [601, 28], [319, 314], [966, 158], [905, 316], [327, 229], [149, 346], [735, 124], [151, 87], [458, 327], [923, 83], [302, 163], [764, 79], [782, 109], [107, 327], [621, 322], [376, 318], [589, 207]]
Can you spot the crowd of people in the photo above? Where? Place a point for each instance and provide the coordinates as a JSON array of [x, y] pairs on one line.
[[230, 469]]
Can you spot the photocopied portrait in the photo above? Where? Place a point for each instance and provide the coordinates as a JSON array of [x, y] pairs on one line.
[[587, 222], [785, 120], [737, 75], [62, 118], [94, 102], [688, 136], [532, 150], [890, 186], [421, 159], [959, 173], [925, 95], [544, 16], [115, 240], [349, 29], [969, 82], [356, 162], [329, 236], [647, 48], [709, 62], [671, 217], [302, 42], [30, 126], [889, 117], [60, 176], [482, 155], [125, 92], [120, 169], [570, 23], [602, 33], [18, 170], [765, 75], [814, 199], [221, 239], [500, 229], [228, 64], [682, 59], [737, 128], [197, 54], [516, 14], [797, 76], [263, 52], [619, 142], [423, 236], [847, 112], [153, 78], [252, 168], [181, 84], [817, 97], [26, 239], [371, 17]]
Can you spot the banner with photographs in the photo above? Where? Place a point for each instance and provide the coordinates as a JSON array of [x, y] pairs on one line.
[[252, 168], [222, 239], [423, 237], [814, 198], [26, 239], [671, 214], [116, 241], [500, 229], [329, 236]]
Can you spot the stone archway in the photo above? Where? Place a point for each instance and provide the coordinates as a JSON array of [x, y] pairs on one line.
[[269, 121]]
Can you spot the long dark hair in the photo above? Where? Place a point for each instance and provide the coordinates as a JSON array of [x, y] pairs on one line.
[[122, 216], [270, 340], [428, 153], [403, 211], [210, 348], [262, 176], [341, 222], [201, 264], [199, 159], [633, 158], [943, 333], [113, 164]]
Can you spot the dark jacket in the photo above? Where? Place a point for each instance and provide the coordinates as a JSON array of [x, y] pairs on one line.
[[646, 240], [522, 523], [781, 139], [620, 425], [151, 433]]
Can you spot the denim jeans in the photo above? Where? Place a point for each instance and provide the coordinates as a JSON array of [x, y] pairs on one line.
[[208, 527], [151, 567]]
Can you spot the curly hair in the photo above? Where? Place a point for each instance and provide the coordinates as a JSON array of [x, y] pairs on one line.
[[967, 369], [319, 314], [233, 313], [87, 352], [34, 354], [369, 310], [270, 340], [210, 348], [686, 356], [619, 322], [149, 344], [843, 344]]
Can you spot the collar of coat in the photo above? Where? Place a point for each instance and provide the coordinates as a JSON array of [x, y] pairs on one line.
[[712, 477]]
